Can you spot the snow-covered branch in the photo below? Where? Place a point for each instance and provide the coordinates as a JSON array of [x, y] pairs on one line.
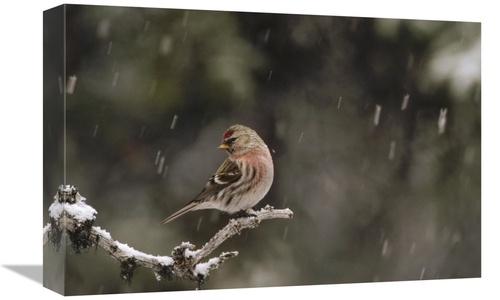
[[71, 216]]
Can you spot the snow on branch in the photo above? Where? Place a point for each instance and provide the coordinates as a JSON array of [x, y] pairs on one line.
[[71, 216]]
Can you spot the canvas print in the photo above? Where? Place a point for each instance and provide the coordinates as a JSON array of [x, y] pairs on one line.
[[192, 149]]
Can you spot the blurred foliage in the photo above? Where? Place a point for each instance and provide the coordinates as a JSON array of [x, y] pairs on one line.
[[393, 201]]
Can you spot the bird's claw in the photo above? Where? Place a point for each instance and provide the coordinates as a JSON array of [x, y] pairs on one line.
[[246, 213]]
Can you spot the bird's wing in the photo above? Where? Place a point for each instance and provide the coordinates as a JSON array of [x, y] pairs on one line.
[[227, 173]]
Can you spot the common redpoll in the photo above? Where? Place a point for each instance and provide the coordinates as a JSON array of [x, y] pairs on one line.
[[242, 180]]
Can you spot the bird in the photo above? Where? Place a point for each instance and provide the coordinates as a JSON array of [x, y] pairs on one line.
[[242, 180]]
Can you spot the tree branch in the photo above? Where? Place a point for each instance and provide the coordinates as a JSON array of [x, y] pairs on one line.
[[235, 226], [71, 216]]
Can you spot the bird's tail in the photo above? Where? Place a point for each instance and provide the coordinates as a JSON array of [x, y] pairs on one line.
[[189, 207]]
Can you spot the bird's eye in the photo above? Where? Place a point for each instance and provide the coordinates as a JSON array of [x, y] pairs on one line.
[[231, 140]]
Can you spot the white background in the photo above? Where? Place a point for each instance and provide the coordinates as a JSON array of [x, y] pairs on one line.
[[21, 145]]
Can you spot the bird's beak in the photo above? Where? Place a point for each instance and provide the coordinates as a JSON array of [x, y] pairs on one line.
[[224, 146]]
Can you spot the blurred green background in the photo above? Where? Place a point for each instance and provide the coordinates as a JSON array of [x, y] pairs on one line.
[[395, 199]]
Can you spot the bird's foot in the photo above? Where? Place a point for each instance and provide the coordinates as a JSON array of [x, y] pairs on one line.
[[245, 213]]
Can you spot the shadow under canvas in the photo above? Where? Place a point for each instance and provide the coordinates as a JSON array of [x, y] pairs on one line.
[[33, 272]]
